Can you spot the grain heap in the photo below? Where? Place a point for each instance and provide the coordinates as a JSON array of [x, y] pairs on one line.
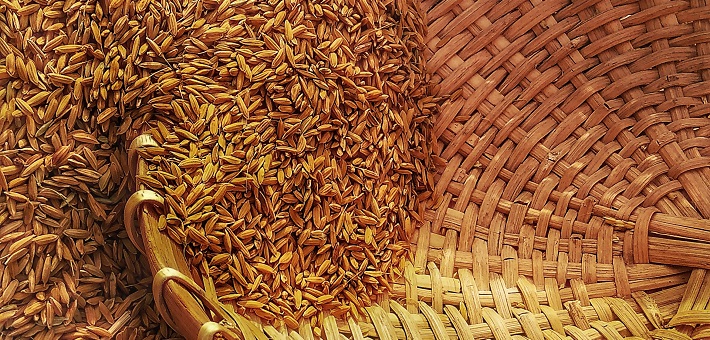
[[68, 90], [292, 146], [311, 116]]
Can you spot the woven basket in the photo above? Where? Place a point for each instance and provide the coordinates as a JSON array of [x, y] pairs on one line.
[[574, 170]]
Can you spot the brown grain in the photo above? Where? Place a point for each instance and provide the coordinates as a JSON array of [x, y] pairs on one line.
[[70, 88], [311, 116], [293, 143]]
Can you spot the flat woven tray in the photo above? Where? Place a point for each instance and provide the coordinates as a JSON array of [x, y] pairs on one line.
[[573, 170]]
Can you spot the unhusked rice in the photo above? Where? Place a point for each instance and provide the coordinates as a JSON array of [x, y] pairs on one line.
[[293, 144]]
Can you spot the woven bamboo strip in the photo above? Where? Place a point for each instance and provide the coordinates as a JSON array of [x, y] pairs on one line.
[[544, 130]]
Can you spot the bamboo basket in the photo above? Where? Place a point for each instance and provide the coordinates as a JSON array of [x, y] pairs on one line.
[[572, 192]]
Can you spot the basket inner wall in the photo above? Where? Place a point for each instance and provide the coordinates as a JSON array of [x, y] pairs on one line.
[[572, 168], [574, 133]]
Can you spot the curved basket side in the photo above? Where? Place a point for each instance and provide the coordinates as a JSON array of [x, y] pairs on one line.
[[180, 300]]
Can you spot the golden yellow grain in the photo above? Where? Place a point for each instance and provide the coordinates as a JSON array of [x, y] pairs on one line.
[[287, 146]]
